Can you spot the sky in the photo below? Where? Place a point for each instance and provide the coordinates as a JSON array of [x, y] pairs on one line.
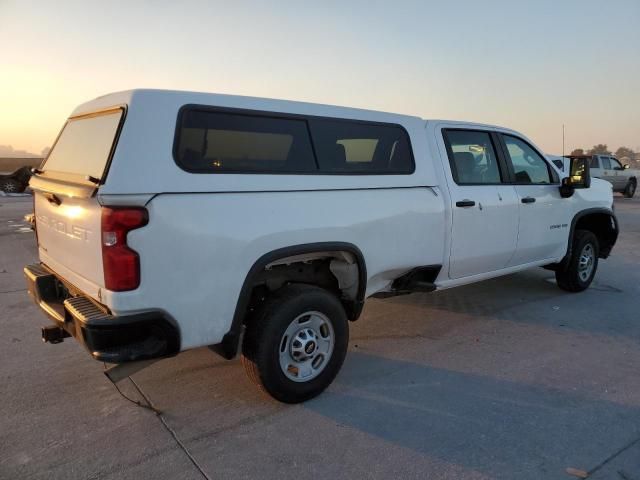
[[528, 65]]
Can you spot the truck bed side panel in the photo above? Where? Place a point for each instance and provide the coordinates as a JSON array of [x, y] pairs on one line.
[[197, 248]]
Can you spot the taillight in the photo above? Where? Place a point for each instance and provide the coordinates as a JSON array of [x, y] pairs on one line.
[[121, 264]]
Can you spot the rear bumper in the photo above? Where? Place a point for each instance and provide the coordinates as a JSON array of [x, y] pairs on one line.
[[109, 338]]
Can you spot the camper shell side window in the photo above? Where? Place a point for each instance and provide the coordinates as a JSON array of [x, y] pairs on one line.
[[214, 140]]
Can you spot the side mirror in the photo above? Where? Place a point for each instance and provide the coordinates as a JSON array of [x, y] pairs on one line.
[[579, 177], [625, 166]]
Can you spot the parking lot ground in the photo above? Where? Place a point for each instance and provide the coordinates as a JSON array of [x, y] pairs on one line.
[[509, 378]]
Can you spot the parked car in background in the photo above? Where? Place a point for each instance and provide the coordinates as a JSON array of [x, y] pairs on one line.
[[561, 163], [623, 179], [15, 182]]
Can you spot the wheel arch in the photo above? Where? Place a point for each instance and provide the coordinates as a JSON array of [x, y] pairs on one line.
[[228, 348], [602, 222]]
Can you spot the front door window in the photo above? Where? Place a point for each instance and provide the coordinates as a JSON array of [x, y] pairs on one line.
[[528, 166]]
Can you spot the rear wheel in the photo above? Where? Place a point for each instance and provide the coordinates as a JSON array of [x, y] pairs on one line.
[[630, 190], [582, 265], [11, 185], [295, 346]]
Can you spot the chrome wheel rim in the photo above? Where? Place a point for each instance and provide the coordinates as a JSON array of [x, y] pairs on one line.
[[306, 346], [10, 187], [586, 261]]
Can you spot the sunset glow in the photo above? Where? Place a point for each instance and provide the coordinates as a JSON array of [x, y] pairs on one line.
[[531, 68]]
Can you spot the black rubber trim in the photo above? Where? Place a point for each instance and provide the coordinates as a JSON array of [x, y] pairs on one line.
[[228, 348]]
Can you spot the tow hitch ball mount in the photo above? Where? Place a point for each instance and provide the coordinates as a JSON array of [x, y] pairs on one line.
[[53, 334]]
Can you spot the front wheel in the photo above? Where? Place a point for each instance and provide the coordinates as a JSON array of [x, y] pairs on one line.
[[582, 265], [295, 346], [630, 190]]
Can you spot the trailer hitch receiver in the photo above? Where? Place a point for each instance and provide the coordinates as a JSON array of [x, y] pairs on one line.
[[53, 334]]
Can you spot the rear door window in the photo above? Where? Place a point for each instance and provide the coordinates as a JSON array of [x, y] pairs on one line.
[[606, 164], [472, 156], [85, 144]]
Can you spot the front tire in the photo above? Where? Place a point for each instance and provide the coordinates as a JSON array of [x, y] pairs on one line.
[[630, 190], [582, 265], [295, 346]]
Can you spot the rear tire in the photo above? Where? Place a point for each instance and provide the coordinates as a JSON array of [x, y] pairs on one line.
[[582, 265], [630, 189], [295, 346], [10, 185]]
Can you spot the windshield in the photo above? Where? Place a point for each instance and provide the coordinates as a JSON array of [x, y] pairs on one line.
[[84, 145]]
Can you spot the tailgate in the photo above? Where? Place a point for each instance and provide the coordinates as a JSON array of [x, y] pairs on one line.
[[69, 238]]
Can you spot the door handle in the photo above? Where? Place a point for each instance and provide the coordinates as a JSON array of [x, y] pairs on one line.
[[528, 200], [52, 198], [465, 203]]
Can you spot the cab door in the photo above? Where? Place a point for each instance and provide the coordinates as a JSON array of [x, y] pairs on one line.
[[544, 215], [594, 166], [618, 174], [484, 209], [608, 173]]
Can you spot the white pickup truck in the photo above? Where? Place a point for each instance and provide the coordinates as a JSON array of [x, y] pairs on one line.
[[173, 220], [622, 178]]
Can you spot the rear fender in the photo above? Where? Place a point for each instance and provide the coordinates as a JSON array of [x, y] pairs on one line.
[[228, 348]]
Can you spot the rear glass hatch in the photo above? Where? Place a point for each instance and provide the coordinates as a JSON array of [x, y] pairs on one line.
[[67, 212]]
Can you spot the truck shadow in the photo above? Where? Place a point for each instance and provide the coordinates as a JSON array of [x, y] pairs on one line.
[[528, 297], [500, 428]]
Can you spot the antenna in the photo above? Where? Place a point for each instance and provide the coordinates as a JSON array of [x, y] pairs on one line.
[[563, 139]]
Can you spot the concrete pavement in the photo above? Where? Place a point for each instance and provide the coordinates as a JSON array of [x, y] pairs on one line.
[[509, 378]]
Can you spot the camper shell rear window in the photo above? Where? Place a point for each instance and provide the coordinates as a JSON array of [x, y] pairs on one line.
[[213, 140], [85, 144]]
